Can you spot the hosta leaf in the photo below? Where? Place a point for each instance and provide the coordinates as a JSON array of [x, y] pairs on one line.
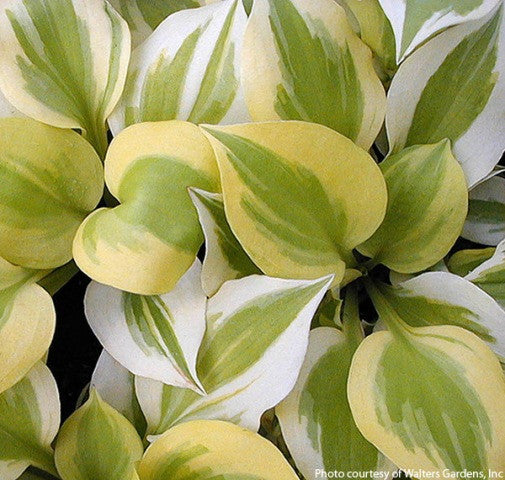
[[490, 275], [316, 419], [225, 258], [97, 443], [51, 179], [298, 196], [143, 16], [452, 88], [257, 335], [486, 214], [427, 206], [188, 69], [148, 242], [7, 109], [464, 261], [160, 335], [64, 62], [116, 386], [29, 422], [439, 298], [302, 61], [206, 450], [375, 30], [429, 398], [415, 21], [27, 322]]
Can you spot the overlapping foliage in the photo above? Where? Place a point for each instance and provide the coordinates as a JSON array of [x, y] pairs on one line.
[[340, 163]]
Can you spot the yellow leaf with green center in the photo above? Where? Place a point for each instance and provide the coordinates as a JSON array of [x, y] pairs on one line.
[[429, 398], [302, 61], [51, 179], [298, 196], [97, 443], [427, 206], [147, 243], [206, 450]]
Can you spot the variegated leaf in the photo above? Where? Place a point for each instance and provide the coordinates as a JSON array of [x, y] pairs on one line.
[[415, 21], [464, 261], [27, 322], [51, 179], [375, 30], [64, 62], [116, 386], [256, 339], [188, 69], [439, 298], [149, 241], [452, 88], [490, 275], [213, 450], [97, 443], [225, 258], [302, 61], [160, 335], [315, 418], [7, 109], [427, 207], [143, 16], [486, 214], [429, 398], [29, 422], [298, 196]]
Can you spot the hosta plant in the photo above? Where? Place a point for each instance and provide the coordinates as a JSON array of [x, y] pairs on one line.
[[292, 213]]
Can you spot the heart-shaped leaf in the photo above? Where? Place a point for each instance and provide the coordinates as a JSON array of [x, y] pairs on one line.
[[298, 196], [51, 179], [427, 206], [148, 242]]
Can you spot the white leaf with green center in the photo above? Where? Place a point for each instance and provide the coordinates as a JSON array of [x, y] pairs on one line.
[[452, 87], [225, 258], [51, 179], [143, 16], [485, 222], [427, 206], [64, 62], [97, 443], [160, 335], [256, 339], [29, 422], [188, 69], [7, 109], [116, 386], [302, 61], [316, 419], [440, 298], [429, 398], [415, 21], [490, 275], [27, 322], [298, 196], [145, 244]]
